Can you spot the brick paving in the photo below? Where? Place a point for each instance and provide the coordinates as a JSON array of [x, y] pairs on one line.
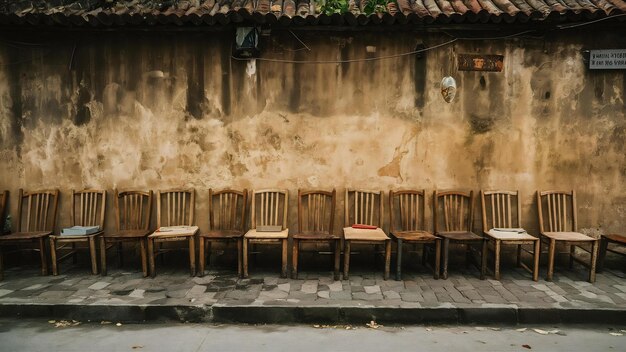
[[364, 288]]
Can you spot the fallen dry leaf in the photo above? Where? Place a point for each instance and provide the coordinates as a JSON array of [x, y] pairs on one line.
[[526, 346], [429, 329], [616, 334], [495, 329], [479, 328], [52, 321], [372, 325], [118, 324], [542, 332], [521, 330], [316, 326], [137, 347], [105, 322]]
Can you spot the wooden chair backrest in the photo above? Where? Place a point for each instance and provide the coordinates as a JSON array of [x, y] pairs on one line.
[[500, 209], [175, 207], [37, 210], [407, 210], [560, 209], [316, 211], [227, 209], [133, 209], [453, 210], [363, 207], [4, 196], [269, 208], [88, 207]]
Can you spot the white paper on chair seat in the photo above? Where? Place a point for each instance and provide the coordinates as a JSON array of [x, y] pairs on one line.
[[79, 230], [509, 233]]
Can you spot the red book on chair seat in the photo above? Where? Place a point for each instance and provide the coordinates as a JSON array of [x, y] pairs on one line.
[[364, 227]]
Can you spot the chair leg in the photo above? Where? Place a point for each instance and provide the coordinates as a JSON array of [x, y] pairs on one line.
[[346, 260], [93, 256], [337, 259], [483, 260], [496, 260], [144, 255], [572, 250], [446, 246], [294, 258], [53, 256], [42, 256], [120, 254], [245, 257], [151, 257], [437, 259], [75, 254], [103, 256], [604, 244], [399, 259], [1, 265], [424, 254], [239, 256], [283, 271], [536, 255], [192, 256], [594, 258], [519, 255], [551, 251], [387, 259], [201, 256]]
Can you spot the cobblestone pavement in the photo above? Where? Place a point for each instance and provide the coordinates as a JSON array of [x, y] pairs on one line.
[[418, 289]]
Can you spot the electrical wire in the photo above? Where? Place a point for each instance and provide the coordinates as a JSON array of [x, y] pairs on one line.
[[286, 61], [568, 26]]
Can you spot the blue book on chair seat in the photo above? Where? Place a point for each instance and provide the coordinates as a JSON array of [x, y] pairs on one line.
[[79, 230]]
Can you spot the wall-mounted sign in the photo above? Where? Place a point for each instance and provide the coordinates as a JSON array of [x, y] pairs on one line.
[[613, 59], [477, 62]]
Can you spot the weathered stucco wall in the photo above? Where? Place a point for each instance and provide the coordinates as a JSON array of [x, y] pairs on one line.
[[162, 110]]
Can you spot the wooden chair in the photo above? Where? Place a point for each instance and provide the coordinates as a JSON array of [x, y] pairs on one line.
[[367, 209], [316, 216], [407, 225], [457, 208], [268, 223], [37, 213], [227, 219], [88, 209], [175, 216], [501, 214], [133, 210], [560, 209], [617, 240]]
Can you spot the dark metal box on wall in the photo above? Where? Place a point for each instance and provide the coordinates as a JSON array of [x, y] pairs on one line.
[[478, 62]]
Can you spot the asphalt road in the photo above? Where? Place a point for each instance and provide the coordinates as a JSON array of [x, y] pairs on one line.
[[38, 335]]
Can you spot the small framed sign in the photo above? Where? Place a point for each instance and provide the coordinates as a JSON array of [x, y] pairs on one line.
[[478, 62], [611, 59]]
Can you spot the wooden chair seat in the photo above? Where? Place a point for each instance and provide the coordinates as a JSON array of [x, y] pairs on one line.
[[461, 236], [222, 234], [23, 236], [568, 236], [616, 238], [254, 234], [127, 234], [510, 236], [353, 234], [414, 236], [316, 236]]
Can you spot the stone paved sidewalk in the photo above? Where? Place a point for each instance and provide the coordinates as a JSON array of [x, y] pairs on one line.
[[418, 289]]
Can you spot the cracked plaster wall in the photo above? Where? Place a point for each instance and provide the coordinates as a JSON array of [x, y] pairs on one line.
[[172, 110]]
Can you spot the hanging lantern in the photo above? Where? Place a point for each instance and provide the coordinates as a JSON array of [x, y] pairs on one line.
[[448, 89]]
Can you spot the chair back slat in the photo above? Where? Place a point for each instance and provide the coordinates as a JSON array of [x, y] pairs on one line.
[[133, 209], [88, 208], [316, 211], [559, 207], [367, 207], [269, 208], [175, 207], [41, 209], [227, 209], [407, 210], [4, 196], [457, 208], [500, 209]]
